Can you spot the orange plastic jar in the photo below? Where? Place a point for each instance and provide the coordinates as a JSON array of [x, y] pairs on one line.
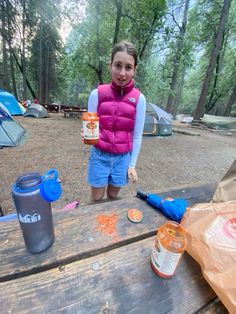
[[90, 124], [168, 250]]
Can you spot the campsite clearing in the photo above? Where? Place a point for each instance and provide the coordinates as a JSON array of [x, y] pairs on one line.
[[164, 162]]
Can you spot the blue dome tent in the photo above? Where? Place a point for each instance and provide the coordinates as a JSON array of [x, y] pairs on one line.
[[11, 132], [10, 102]]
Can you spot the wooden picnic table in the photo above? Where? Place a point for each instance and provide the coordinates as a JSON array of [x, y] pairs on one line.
[[74, 112], [88, 271]]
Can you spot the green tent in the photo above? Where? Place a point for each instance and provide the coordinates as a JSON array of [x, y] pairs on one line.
[[11, 132]]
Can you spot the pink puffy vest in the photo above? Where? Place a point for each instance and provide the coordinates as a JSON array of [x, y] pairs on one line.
[[116, 111]]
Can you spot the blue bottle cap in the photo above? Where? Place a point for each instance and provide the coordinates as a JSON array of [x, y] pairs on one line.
[[50, 188]]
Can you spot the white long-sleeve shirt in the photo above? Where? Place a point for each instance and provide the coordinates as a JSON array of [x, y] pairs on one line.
[[138, 127]]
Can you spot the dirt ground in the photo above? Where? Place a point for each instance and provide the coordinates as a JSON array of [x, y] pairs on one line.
[[164, 162]]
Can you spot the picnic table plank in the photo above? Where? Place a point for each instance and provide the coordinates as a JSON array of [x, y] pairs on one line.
[[76, 236], [118, 281], [214, 307], [77, 112]]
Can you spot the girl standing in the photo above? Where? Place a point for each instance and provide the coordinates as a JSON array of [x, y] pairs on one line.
[[121, 110]]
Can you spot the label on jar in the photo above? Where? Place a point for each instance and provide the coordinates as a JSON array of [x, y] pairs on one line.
[[163, 260], [91, 130]]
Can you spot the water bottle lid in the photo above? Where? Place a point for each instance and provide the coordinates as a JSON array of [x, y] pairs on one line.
[[50, 188]]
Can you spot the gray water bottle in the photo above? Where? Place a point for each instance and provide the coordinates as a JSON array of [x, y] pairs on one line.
[[32, 195]]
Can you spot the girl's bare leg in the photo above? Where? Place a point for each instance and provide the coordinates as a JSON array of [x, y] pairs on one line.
[[112, 191], [97, 193]]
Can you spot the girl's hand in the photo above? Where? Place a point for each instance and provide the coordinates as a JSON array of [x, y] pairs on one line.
[[132, 175]]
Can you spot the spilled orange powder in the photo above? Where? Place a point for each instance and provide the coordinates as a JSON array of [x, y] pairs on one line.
[[107, 224]]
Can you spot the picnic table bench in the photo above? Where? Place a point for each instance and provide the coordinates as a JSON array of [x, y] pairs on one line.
[[73, 112], [88, 271]]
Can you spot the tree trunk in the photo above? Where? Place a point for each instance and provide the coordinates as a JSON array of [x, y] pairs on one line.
[[143, 48], [23, 52], [214, 96], [99, 70], [11, 58], [6, 37], [179, 92], [46, 81], [119, 4], [21, 69], [13, 75], [210, 104], [212, 63], [6, 81], [230, 103], [180, 44], [40, 63], [141, 53]]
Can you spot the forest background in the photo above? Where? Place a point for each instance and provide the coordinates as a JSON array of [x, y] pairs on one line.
[[58, 51]]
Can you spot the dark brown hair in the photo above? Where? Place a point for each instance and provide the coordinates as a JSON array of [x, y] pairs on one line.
[[126, 47]]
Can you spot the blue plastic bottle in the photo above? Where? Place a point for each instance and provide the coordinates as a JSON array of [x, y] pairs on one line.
[[32, 195]]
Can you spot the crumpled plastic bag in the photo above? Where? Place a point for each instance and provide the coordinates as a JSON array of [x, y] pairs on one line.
[[226, 189], [211, 234]]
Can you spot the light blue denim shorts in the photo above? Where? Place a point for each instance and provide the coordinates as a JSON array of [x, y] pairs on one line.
[[106, 168]]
